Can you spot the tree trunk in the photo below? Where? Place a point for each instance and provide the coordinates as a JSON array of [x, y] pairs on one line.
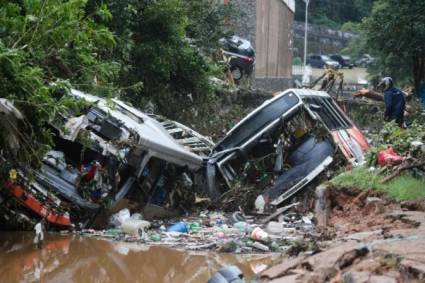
[[416, 74]]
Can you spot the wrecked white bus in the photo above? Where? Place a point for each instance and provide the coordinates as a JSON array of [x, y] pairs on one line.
[[108, 152]]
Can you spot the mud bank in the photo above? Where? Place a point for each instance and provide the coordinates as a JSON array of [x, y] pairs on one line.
[[368, 239]]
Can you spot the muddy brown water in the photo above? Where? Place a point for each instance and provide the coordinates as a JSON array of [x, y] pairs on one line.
[[74, 258]]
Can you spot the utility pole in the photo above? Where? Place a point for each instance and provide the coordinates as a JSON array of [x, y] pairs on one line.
[[305, 34]]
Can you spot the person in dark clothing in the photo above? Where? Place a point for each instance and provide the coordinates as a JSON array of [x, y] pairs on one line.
[[394, 99]]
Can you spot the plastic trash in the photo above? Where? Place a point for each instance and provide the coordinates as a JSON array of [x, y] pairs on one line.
[[242, 226], [120, 217], [228, 274], [132, 226], [259, 235], [178, 227], [307, 220], [261, 246], [194, 227], [238, 217], [113, 232], [220, 235], [136, 216], [275, 228], [156, 237], [389, 157]]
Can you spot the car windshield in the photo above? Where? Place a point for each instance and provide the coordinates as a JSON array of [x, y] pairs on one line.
[[258, 121], [326, 58]]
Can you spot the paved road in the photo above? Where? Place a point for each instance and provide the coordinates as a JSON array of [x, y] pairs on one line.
[[351, 76]]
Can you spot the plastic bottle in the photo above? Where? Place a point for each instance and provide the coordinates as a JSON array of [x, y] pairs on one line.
[[178, 227], [260, 246], [194, 227], [242, 226]]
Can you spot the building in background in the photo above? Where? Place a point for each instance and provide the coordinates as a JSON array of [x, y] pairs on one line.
[[268, 24]]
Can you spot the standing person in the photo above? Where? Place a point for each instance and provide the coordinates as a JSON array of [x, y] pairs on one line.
[[39, 234], [394, 99]]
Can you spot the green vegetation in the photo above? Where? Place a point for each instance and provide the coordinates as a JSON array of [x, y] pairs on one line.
[[394, 35], [399, 139], [410, 184], [141, 50], [403, 187], [46, 42], [334, 14]]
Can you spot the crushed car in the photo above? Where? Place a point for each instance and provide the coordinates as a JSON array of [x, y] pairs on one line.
[[101, 157], [298, 134]]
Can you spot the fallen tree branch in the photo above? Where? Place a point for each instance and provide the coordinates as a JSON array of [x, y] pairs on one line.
[[401, 168], [278, 212]]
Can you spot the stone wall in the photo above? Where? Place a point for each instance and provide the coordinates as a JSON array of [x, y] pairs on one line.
[[245, 24]]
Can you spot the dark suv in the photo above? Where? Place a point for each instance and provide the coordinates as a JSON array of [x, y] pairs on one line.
[[322, 61], [242, 56], [344, 61]]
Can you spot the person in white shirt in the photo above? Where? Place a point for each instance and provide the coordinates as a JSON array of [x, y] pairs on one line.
[[39, 235]]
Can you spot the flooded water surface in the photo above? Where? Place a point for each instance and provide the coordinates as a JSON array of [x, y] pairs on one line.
[[82, 259]]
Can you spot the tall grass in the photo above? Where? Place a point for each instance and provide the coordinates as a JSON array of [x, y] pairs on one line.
[[403, 187]]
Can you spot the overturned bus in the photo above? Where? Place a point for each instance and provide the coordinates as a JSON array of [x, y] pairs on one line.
[[108, 154], [299, 132]]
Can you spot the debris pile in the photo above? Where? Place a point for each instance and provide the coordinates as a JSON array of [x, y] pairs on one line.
[[235, 232], [108, 156]]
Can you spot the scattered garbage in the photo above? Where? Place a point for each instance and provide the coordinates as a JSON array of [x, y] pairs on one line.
[[131, 226], [389, 157], [120, 217], [259, 235], [180, 227], [213, 230]]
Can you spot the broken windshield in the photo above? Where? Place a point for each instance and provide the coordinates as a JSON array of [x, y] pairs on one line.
[[258, 121], [330, 115]]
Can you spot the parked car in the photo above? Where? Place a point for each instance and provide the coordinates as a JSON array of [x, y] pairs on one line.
[[365, 61], [297, 135], [241, 54], [343, 60], [322, 61]]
